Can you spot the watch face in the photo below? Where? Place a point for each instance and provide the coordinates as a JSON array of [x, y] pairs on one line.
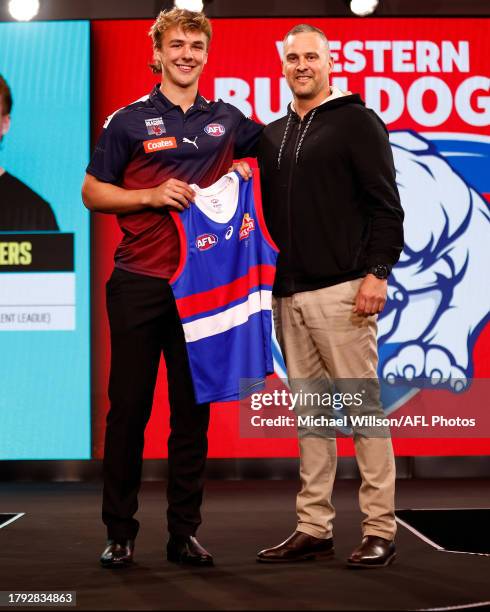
[[380, 271]]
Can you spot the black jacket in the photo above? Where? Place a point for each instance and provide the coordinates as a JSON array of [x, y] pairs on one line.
[[23, 210], [329, 195]]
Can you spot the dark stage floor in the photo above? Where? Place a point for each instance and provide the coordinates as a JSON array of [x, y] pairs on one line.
[[56, 545]]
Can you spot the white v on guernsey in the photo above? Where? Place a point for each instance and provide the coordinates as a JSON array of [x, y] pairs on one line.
[[223, 289]]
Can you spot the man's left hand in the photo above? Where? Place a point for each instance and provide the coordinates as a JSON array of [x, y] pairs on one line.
[[371, 297]]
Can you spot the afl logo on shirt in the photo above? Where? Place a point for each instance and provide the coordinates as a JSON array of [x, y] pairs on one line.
[[204, 242], [215, 129]]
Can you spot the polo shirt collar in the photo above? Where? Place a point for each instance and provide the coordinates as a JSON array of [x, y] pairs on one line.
[[201, 103], [164, 104]]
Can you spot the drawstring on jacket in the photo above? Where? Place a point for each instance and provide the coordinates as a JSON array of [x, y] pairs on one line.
[[283, 142]]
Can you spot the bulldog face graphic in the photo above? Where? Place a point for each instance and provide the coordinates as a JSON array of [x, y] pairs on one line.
[[438, 298]]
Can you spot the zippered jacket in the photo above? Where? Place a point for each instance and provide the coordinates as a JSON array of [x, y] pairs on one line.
[[329, 194]]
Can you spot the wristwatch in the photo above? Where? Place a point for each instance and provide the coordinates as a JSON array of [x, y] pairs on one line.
[[381, 271]]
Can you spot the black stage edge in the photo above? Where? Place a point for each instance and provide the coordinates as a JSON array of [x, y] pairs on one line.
[[457, 530], [240, 469], [56, 545], [6, 518]]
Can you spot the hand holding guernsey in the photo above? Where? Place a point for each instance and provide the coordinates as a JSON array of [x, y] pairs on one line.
[[149, 153]]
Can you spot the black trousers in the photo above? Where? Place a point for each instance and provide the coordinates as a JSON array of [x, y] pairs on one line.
[[144, 322]]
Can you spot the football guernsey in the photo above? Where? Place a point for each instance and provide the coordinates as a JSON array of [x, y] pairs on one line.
[[152, 140], [223, 289]]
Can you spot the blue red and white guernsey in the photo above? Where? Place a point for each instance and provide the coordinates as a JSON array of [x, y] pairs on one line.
[[223, 289]]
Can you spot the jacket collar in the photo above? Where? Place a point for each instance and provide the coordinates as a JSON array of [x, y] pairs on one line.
[[335, 92], [336, 98]]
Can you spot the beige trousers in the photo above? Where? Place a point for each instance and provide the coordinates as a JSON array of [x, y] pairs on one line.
[[321, 337]]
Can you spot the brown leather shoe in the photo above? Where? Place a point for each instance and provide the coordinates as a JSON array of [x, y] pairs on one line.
[[372, 552], [298, 547]]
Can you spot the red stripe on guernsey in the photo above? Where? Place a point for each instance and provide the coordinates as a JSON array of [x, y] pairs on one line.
[[221, 296], [260, 212], [183, 245]]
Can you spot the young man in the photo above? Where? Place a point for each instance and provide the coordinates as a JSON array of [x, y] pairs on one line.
[[21, 209], [332, 206], [148, 154]]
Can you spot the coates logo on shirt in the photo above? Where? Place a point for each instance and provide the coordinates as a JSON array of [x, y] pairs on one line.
[[215, 129], [158, 144], [204, 242], [248, 225], [155, 126]]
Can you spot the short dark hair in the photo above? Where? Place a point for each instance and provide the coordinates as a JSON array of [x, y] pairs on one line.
[[5, 96], [302, 28]]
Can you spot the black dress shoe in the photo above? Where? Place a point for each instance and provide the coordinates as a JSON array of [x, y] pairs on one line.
[[188, 551], [298, 547], [117, 554], [373, 552]]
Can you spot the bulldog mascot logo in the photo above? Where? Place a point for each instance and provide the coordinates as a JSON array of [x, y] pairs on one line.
[[438, 298]]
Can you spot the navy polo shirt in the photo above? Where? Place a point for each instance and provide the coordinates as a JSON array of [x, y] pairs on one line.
[[152, 140]]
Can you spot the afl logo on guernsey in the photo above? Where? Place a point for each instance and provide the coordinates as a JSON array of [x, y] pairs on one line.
[[204, 242], [215, 129]]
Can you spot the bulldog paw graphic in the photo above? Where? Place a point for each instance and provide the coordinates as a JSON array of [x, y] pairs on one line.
[[432, 363]]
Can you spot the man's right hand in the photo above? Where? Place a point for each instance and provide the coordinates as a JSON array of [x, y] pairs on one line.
[[243, 170], [99, 196], [172, 193]]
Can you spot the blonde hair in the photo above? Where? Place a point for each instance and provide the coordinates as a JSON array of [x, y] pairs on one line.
[[187, 20]]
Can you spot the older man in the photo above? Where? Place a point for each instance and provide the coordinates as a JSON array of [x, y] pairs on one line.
[[332, 206]]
